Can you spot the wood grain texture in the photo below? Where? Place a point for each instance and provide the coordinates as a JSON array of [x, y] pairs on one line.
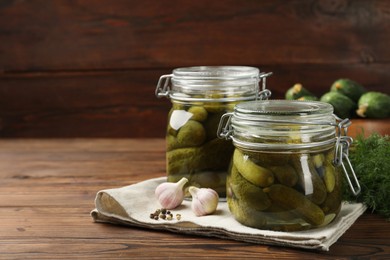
[[75, 35], [47, 190], [82, 104], [89, 68]]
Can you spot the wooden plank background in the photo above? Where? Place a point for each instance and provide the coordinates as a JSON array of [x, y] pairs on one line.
[[88, 68]]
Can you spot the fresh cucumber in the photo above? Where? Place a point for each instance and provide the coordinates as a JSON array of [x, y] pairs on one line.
[[343, 105], [297, 91], [349, 88], [374, 105]]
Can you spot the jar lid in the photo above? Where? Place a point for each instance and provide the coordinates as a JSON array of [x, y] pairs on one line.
[[204, 73], [213, 83], [282, 109], [281, 124]]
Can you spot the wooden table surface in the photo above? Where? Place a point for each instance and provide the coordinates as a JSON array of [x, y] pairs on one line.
[[47, 190]]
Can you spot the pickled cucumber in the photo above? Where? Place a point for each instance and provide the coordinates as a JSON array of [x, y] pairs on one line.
[[212, 155], [329, 156], [198, 113], [215, 106], [211, 125], [309, 180], [191, 134], [332, 204], [182, 160], [289, 227], [171, 131], [246, 215], [291, 199], [285, 174], [268, 159], [171, 142], [254, 173], [193, 149], [245, 191], [280, 219], [215, 155], [329, 177], [328, 219], [278, 213], [318, 161]]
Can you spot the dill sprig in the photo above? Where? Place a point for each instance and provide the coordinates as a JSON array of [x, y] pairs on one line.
[[370, 158]]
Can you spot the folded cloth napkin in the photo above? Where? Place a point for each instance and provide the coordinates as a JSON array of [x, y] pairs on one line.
[[132, 206]]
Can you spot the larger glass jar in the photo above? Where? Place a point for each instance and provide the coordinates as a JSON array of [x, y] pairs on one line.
[[284, 173], [200, 96]]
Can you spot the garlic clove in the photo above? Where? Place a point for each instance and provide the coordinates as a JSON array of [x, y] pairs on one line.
[[204, 200], [170, 194]]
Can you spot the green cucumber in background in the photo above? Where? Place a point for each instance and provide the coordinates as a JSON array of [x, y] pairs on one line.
[[308, 98], [348, 98], [374, 105], [343, 105], [297, 91], [348, 88]]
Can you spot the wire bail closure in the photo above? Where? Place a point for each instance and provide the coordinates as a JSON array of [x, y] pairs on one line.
[[225, 129], [343, 142], [163, 87], [264, 93]]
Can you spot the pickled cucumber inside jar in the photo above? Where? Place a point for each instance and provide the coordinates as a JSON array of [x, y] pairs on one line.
[[193, 149], [200, 96], [303, 194]]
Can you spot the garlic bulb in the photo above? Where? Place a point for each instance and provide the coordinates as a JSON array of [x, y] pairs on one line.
[[170, 194], [204, 200]]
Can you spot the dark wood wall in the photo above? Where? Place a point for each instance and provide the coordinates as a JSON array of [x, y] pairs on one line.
[[88, 68]]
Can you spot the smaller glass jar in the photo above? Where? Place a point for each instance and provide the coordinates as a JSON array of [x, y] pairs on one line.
[[200, 96], [284, 172]]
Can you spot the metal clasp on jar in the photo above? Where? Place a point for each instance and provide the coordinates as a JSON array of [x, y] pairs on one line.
[[225, 129], [343, 143], [162, 89], [264, 93]]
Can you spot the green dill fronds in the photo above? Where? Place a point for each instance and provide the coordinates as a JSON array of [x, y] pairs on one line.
[[370, 158]]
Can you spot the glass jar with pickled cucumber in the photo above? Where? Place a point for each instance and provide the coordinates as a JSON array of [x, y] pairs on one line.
[[200, 96], [285, 173]]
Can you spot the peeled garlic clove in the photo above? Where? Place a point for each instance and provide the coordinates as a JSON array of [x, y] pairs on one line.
[[171, 194], [204, 200]]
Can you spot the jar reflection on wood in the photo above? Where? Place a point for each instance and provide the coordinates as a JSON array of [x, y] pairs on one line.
[[200, 96], [282, 175]]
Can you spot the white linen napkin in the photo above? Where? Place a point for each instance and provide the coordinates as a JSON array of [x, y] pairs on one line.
[[132, 206]]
